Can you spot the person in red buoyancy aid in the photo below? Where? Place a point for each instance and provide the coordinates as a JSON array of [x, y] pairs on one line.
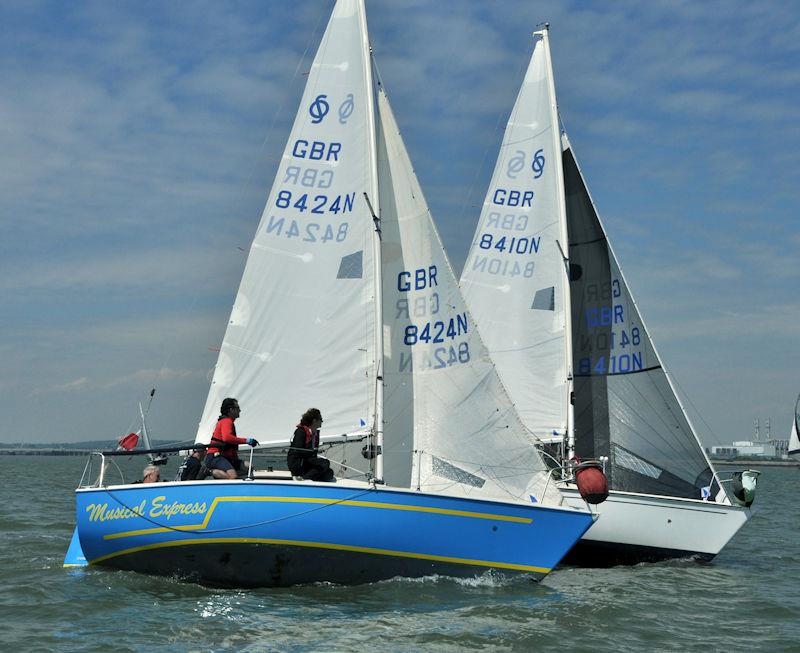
[[222, 458], [302, 458]]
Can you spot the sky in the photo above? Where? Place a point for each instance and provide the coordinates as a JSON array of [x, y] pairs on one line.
[[139, 140]]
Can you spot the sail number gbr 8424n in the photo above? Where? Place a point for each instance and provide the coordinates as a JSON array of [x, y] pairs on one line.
[[310, 196], [438, 341]]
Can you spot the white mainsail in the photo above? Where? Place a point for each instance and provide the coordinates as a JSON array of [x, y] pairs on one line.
[[794, 437], [514, 279], [302, 329], [467, 437]]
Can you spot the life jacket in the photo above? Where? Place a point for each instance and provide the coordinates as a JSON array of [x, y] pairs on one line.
[[227, 449], [311, 441]]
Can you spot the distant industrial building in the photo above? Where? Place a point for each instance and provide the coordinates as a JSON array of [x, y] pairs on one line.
[[750, 449], [757, 448]]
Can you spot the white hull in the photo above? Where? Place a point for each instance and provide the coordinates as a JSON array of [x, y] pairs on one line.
[[794, 436], [641, 527]]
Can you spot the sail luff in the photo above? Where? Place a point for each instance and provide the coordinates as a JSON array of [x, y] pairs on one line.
[[567, 146], [376, 239], [562, 217]]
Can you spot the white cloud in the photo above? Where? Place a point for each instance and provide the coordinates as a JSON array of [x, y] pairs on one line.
[[69, 386], [154, 376]]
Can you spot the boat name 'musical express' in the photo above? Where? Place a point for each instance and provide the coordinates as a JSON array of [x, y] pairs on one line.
[[100, 511]]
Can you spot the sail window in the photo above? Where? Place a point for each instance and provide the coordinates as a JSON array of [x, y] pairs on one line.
[[626, 459], [351, 266], [545, 299], [447, 470]]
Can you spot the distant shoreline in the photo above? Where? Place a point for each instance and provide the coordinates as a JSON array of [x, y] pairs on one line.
[[46, 452], [58, 452], [81, 448], [760, 463]]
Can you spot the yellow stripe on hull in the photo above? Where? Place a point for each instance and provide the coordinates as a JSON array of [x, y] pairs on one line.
[[322, 545]]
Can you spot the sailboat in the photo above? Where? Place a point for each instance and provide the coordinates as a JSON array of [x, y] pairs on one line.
[[794, 438], [348, 302], [551, 302]]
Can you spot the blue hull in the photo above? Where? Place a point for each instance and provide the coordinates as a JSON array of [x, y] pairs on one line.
[[268, 533]]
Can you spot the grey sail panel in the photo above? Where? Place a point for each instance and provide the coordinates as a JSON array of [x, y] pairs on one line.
[[624, 406]]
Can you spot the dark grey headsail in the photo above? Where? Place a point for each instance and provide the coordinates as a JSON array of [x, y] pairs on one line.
[[625, 407]]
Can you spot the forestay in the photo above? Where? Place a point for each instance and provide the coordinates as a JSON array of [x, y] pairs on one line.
[[302, 329], [467, 437], [514, 280], [625, 407]]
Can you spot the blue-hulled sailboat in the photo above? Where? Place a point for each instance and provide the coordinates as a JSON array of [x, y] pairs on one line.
[[348, 302]]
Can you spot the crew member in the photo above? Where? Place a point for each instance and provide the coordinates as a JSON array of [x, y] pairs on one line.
[[302, 458], [193, 468], [223, 450], [151, 474]]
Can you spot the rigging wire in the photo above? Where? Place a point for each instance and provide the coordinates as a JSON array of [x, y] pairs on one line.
[[697, 412]]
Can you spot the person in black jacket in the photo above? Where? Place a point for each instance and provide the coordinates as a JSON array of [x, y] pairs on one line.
[[302, 458], [193, 468]]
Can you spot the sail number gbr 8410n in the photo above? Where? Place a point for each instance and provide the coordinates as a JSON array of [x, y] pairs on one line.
[[608, 340]]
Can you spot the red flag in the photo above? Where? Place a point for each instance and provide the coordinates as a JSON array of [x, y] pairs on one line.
[[128, 442]]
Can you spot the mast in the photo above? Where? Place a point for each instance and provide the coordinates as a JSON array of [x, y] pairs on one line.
[[373, 204], [563, 242]]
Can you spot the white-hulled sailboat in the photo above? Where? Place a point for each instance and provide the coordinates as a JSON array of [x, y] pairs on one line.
[[348, 302], [794, 434], [568, 340]]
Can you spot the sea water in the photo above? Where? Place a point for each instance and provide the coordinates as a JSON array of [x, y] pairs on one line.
[[746, 599]]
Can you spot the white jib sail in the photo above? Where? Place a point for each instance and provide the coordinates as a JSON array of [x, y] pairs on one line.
[[514, 279], [468, 438], [302, 329]]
